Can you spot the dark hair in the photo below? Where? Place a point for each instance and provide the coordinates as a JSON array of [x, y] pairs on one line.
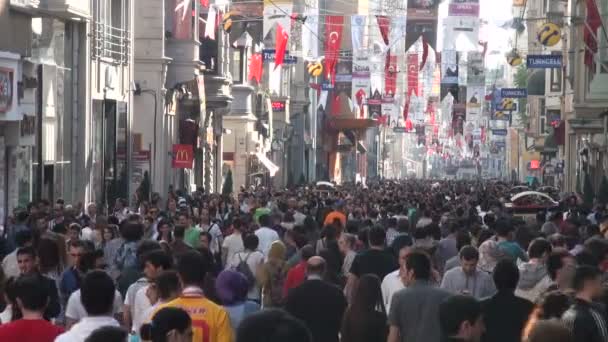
[[538, 247], [555, 263], [462, 239], [358, 318], [131, 231], [272, 325], [456, 310], [147, 246], [50, 254], [27, 250], [377, 236], [158, 258], [265, 220], [506, 275], [251, 242], [582, 275], [403, 225], [238, 224], [33, 293], [179, 231], [598, 248], [208, 235], [23, 236], [107, 334], [553, 304], [164, 321], [307, 252], [420, 263], [503, 227], [469, 253], [97, 293], [192, 268], [167, 282]]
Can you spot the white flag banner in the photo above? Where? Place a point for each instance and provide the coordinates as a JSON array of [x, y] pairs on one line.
[[357, 29], [278, 13], [464, 33], [396, 33], [323, 99], [361, 84], [310, 40], [210, 25], [475, 98]]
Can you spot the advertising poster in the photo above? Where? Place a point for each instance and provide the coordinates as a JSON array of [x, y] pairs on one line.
[[449, 66], [475, 98]]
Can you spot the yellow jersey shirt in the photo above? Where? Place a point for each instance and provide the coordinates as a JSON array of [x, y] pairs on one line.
[[210, 322]]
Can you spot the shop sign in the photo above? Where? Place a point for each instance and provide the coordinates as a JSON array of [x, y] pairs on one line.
[[544, 61], [183, 156]]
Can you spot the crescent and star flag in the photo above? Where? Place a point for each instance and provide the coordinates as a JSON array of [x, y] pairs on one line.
[[256, 67], [390, 78], [280, 46], [333, 39], [412, 73]]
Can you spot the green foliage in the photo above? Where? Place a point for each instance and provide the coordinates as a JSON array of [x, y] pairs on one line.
[[227, 187], [521, 81]]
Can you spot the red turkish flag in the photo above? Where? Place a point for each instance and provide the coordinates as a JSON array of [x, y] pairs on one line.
[[205, 3], [412, 73], [592, 23], [280, 46], [390, 77], [333, 40], [384, 24], [255, 67]]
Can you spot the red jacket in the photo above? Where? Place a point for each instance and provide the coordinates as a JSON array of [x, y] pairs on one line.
[[295, 277]]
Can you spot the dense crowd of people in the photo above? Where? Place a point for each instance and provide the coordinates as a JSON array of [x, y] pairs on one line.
[[417, 260]]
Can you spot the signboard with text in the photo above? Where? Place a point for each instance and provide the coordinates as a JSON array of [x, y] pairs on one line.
[[544, 61], [514, 93], [268, 55]]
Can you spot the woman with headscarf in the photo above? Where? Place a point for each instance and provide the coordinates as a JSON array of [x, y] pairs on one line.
[[232, 287], [272, 276]]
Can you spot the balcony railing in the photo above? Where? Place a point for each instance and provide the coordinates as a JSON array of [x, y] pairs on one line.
[[112, 43]]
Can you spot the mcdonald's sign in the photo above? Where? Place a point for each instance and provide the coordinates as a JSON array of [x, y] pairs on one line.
[[183, 156]]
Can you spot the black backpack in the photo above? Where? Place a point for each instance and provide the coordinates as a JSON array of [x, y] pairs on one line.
[[244, 269]]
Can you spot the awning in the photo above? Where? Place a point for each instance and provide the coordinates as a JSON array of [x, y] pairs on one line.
[[268, 164]]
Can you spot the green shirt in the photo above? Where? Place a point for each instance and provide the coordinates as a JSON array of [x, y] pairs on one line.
[[192, 237], [259, 212]]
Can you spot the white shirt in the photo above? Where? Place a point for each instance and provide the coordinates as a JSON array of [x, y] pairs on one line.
[[10, 265], [390, 285], [140, 307], [233, 244], [216, 236], [83, 329], [76, 311], [255, 260], [266, 236], [132, 291]]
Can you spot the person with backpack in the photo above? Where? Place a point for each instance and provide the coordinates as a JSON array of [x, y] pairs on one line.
[[248, 263], [272, 276]]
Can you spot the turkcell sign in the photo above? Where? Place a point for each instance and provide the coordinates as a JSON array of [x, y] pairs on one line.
[[544, 61], [514, 93], [268, 55], [327, 86]]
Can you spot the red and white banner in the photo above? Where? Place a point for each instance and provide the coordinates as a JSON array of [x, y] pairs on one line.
[[412, 73], [280, 45], [183, 156], [390, 76], [333, 40]]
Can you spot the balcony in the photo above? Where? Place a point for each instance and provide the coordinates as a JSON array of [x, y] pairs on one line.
[[111, 43], [66, 9]]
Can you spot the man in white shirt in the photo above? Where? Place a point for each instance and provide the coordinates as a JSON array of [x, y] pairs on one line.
[[233, 243], [97, 295], [75, 310], [394, 281], [266, 235]]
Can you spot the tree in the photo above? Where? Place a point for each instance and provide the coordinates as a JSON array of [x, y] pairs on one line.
[[588, 194], [521, 81], [602, 194], [227, 187]]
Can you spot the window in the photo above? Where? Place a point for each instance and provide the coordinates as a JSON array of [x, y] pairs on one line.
[[556, 80], [542, 115], [238, 68]]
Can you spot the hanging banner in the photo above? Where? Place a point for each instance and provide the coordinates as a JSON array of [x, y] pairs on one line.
[[449, 67], [384, 24], [416, 110], [182, 20], [464, 33], [397, 30], [357, 30], [374, 105], [463, 69], [412, 73], [183, 156], [390, 76], [277, 13], [475, 98], [544, 61], [514, 93], [333, 40], [497, 113], [310, 40], [476, 71], [421, 21], [463, 8]]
